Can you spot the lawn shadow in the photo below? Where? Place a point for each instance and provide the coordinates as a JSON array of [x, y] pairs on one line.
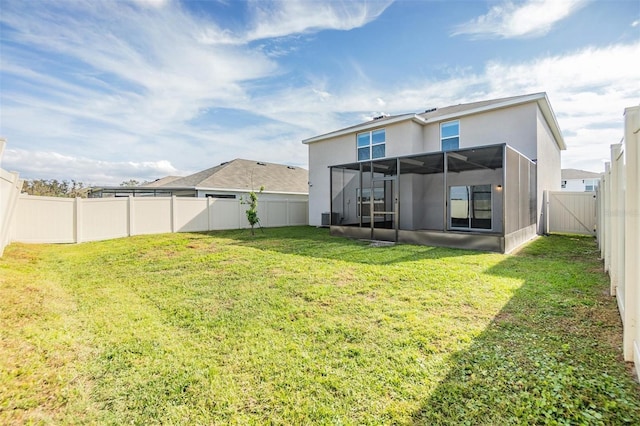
[[552, 354], [318, 243]]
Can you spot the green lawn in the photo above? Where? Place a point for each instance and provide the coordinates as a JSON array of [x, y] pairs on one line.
[[294, 326]]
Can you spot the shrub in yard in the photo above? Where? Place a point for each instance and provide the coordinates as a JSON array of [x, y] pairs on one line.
[[252, 211]]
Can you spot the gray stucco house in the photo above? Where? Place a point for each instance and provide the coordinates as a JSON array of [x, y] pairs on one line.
[[470, 175]]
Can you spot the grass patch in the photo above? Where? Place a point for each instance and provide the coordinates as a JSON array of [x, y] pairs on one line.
[[294, 326]]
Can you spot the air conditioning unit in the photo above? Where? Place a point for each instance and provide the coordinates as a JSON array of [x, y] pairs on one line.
[[328, 219]]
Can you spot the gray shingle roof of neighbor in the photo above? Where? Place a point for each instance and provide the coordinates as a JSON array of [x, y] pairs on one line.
[[453, 111], [161, 182], [578, 174], [247, 175]]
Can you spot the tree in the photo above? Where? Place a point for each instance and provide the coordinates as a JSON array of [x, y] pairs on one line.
[[54, 188], [252, 211], [130, 182]]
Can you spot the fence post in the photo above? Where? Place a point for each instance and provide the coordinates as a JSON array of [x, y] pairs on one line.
[[545, 200], [599, 216], [597, 197], [617, 237], [77, 226], [172, 213], [14, 187], [208, 213], [130, 226], [606, 227], [631, 274]]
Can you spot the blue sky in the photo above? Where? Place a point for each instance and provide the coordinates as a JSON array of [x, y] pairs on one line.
[[103, 92]]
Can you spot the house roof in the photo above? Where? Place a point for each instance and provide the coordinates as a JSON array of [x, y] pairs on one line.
[[568, 174], [160, 182], [456, 111], [247, 175]]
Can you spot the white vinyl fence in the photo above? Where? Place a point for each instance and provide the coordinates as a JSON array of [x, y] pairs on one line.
[[571, 212], [619, 230], [74, 220], [10, 187]]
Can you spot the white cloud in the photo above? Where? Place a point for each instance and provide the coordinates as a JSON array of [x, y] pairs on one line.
[[149, 78], [53, 165], [143, 71], [285, 17], [170, 71], [322, 94], [143, 79], [527, 19], [588, 90], [635, 23], [152, 3]]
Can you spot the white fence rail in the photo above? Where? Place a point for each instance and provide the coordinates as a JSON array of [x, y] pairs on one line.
[[571, 212], [619, 231], [74, 220]]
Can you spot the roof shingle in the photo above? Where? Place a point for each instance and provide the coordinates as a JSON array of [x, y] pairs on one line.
[[247, 175], [578, 174]]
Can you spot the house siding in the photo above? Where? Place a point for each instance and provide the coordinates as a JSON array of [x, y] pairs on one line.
[[548, 160], [402, 139], [515, 126], [322, 155], [430, 138]]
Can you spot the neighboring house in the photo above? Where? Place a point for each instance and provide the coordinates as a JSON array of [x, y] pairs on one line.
[[579, 180], [469, 175], [231, 180]]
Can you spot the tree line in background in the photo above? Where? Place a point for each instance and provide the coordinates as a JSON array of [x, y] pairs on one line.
[[61, 188], [54, 188]]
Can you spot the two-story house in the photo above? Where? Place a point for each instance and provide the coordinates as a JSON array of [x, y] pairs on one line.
[[469, 175]]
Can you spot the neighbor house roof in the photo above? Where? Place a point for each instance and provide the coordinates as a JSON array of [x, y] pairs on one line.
[[247, 175], [454, 111], [568, 174], [162, 181]]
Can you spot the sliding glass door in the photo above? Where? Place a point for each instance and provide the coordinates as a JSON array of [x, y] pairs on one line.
[[470, 207]]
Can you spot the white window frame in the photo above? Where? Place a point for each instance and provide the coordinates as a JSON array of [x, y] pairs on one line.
[[442, 139], [371, 144]]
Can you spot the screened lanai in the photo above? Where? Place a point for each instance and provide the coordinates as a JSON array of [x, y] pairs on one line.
[[479, 198]]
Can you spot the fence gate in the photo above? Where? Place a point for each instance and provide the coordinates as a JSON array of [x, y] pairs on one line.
[[571, 212]]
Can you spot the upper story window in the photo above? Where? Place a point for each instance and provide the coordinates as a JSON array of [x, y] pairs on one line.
[[450, 135], [371, 145]]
